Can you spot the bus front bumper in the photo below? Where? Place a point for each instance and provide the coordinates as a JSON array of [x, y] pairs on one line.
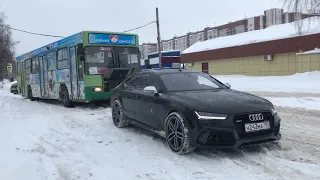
[[96, 96]]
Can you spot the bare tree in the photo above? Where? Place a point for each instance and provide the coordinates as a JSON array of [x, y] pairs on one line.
[[6, 47], [308, 6], [311, 7]]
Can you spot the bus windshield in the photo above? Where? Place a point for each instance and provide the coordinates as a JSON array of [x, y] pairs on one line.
[[99, 59]]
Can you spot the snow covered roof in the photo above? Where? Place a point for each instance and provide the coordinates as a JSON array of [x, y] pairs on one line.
[[163, 52], [282, 31], [315, 51]]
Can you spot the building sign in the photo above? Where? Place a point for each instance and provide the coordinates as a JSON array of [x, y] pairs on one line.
[[112, 39]]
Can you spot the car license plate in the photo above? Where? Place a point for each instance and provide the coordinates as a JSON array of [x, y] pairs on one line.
[[257, 126]]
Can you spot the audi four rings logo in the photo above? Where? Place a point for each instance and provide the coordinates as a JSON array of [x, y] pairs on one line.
[[256, 117]]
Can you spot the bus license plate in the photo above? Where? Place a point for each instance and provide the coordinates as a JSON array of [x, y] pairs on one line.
[[257, 126]]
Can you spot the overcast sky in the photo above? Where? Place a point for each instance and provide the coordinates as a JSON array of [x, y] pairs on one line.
[[177, 17]]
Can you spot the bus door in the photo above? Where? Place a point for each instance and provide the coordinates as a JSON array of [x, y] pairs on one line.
[[23, 79], [44, 74], [73, 73], [42, 89]]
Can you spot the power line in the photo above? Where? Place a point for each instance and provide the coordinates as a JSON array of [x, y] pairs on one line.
[[139, 27], [39, 34]]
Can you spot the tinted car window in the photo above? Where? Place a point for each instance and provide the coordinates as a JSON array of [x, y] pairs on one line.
[[189, 81], [153, 80], [138, 82]]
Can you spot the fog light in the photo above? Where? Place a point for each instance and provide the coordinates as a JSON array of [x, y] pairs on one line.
[[97, 89]]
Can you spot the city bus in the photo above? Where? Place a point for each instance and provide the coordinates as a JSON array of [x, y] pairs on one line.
[[83, 67]]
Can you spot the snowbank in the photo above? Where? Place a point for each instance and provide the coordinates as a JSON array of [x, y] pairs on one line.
[[309, 103], [309, 26], [5, 86], [308, 82]]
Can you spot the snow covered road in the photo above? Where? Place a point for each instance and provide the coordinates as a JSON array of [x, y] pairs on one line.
[[42, 140]]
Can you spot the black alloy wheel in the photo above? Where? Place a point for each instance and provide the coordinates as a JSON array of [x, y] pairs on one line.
[[120, 120], [30, 96], [64, 96], [177, 134]]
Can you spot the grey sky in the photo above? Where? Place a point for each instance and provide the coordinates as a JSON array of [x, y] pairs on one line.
[[66, 17]]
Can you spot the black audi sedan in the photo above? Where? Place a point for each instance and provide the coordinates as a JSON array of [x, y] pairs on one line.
[[193, 110]]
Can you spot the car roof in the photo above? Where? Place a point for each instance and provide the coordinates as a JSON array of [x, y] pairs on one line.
[[166, 71]]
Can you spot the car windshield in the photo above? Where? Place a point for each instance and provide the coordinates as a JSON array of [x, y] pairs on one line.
[[189, 81]]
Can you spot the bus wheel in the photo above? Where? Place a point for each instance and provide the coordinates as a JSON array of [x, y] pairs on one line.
[[64, 96], [30, 96]]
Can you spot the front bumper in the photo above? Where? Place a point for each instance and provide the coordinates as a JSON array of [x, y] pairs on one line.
[[229, 134], [96, 96]]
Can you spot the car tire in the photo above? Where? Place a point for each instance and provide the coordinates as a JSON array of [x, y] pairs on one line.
[[177, 134], [64, 96], [119, 118], [29, 95]]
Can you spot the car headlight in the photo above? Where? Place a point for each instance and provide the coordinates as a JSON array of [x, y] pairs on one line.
[[273, 111], [97, 89], [211, 116]]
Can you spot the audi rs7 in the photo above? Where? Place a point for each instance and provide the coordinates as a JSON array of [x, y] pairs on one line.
[[193, 110]]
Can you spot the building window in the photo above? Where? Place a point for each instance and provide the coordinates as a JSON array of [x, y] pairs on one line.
[[62, 60]]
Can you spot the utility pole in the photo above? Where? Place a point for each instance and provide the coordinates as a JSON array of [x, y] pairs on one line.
[[159, 39]]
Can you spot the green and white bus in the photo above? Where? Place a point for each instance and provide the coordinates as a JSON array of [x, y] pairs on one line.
[[83, 67]]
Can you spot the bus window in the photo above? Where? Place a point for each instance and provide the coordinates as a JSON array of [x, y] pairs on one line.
[[28, 66], [35, 65], [128, 55], [51, 61], [98, 59], [18, 69], [62, 60]]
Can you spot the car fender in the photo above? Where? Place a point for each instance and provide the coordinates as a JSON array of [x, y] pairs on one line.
[[182, 109]]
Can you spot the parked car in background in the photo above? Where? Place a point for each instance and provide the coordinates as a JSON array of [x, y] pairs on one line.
[[193, 109], [14, 88]]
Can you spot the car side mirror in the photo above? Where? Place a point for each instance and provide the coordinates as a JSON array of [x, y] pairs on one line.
[[228, 85], [151, 89]]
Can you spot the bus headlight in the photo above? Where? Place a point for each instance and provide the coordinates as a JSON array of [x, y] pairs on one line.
[[97, 89]]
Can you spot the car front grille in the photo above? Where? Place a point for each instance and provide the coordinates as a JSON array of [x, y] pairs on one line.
[[241, 119]]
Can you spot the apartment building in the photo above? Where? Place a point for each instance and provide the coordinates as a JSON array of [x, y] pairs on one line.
[[146, 48], [273, 17], [270, 17], [232, 28], [181, 43]]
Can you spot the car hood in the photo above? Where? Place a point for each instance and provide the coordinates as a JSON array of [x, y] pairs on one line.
[[224, 101]]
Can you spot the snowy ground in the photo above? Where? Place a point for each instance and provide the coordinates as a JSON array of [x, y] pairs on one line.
[[42, 140]]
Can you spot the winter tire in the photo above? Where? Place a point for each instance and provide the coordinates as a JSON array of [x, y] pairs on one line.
[[64, 96], [29, 95], [120, 120], [177, 135]]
